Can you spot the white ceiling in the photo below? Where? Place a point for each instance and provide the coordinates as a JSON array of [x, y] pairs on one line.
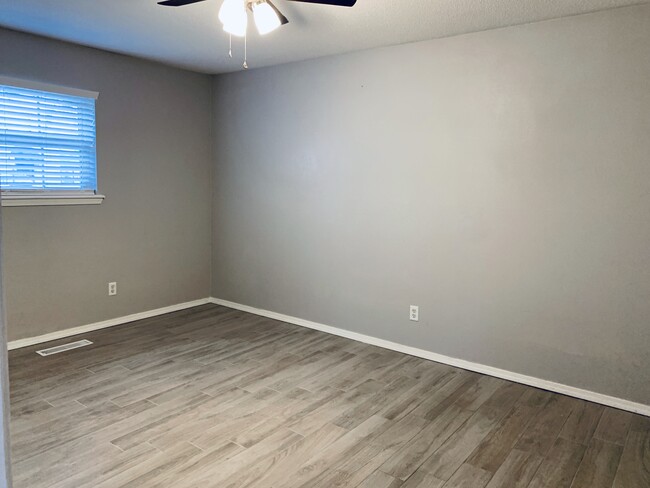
[[191, 36]]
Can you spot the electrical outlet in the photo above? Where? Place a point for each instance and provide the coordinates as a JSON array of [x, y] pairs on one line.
[[112, 289], [414, 313]]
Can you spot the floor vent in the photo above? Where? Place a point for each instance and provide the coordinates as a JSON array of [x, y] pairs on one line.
[[63, 348]]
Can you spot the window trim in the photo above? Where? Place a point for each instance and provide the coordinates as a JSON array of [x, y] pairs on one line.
[[14, 198], [27, 198], [37, 85]]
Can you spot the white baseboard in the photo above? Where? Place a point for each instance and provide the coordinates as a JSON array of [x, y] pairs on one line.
[[412, 351], [62, 334], [590, 396]]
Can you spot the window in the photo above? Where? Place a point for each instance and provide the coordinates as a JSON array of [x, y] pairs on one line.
[[47, 145]]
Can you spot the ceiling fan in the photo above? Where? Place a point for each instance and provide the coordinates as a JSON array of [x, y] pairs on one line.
[[234, 16], [267, 16]]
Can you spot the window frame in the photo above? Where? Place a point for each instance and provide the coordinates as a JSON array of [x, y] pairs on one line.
[[30, 198]]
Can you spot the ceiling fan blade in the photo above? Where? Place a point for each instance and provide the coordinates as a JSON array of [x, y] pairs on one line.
[[178, 3], [340, 3], [283, 19]]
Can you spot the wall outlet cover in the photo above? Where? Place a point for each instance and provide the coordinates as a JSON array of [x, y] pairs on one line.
[[414, 313]]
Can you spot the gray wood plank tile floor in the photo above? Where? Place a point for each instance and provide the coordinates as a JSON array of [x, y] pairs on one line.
[[213, 397]]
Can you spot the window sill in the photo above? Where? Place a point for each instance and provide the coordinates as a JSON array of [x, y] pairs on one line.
[[31, 200]]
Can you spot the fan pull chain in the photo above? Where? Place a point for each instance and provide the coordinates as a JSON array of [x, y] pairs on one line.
[[245, 66], [230, 49]]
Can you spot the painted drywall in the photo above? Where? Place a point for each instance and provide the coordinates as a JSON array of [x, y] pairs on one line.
[[499, 180], [152, 233], [5, 448]]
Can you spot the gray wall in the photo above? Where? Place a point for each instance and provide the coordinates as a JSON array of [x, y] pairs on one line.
[[500, 181], [5, 448], [152, 233]]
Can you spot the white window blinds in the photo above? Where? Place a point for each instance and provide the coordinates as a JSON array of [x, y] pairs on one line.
[[47, 141]]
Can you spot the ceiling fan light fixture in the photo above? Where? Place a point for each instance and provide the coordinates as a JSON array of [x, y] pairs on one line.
[[266, 19], [226, 10], [236, 28], [232, 15]]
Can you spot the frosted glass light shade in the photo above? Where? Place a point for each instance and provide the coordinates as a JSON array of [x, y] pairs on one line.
[[233, 17], [266, 19]]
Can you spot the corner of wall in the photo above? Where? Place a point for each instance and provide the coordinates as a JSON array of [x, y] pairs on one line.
[[213, 159]]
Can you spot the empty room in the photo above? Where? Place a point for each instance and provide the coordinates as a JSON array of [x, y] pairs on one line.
[[325, 243]]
